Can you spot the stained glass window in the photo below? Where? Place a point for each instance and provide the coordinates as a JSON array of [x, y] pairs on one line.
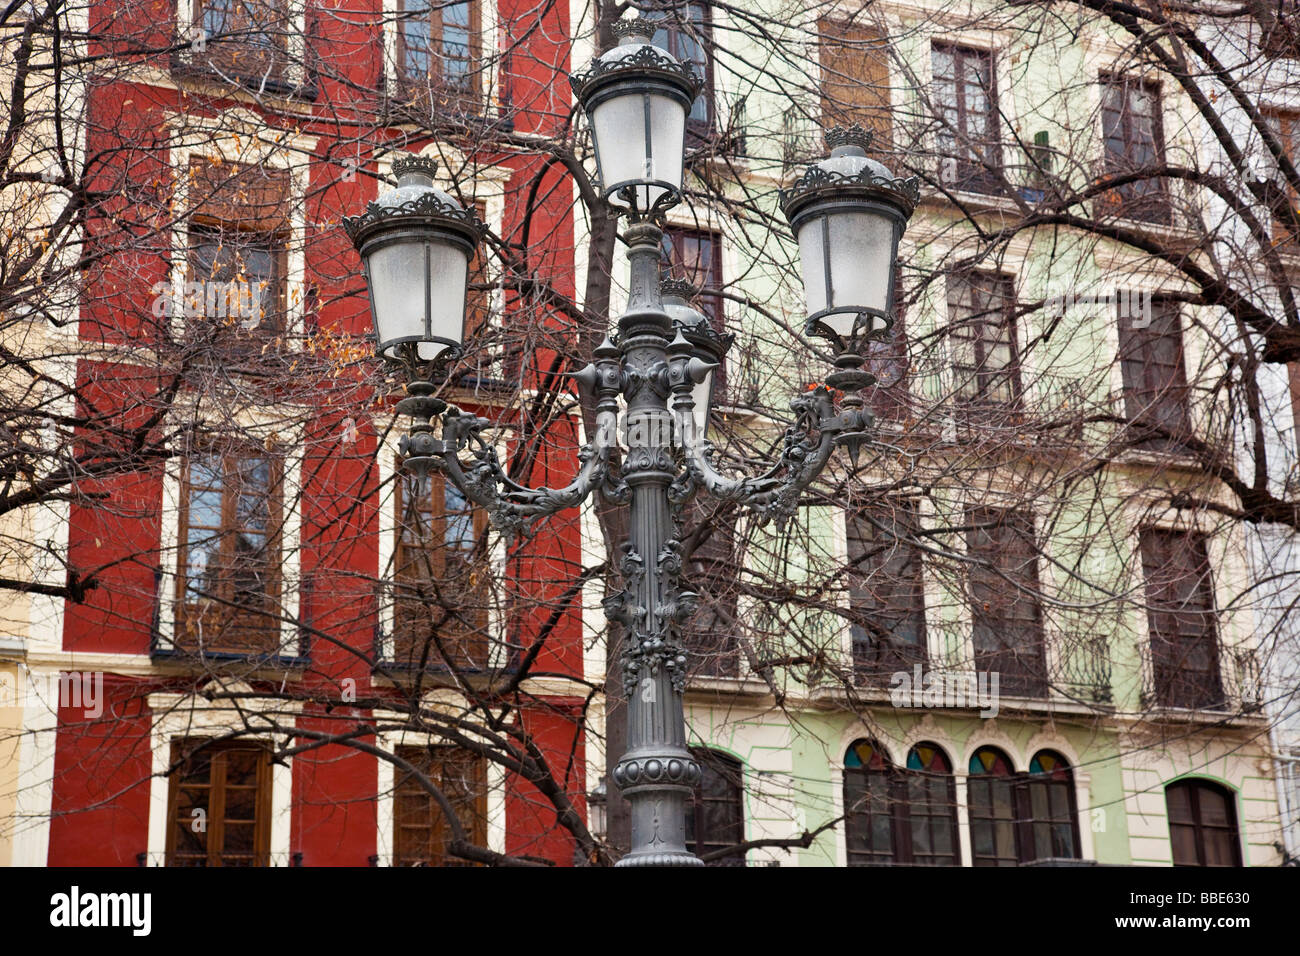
[[899, 816], [1021, 817], [930, 807], [1052, 824], [868, 803], [992, 809]]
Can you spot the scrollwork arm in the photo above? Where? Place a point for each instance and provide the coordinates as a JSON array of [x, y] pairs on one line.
[[807, 446]]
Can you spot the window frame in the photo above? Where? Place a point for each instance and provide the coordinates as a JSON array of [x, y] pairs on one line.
[[215, 817], [290, 75], [970, 331], [1168, 685], [907, 599], [848, 35], [1029, 822], [443, 92], [696, 808], [986, 586], [1285, 125], [492, 97], [476, 831], [473, 649], [698, 131], [274, 548], [1149, 400], [235, 140], [712, 644], [898, 797], [713, 305], [969, 174], [1194, 787], [1148, 204]]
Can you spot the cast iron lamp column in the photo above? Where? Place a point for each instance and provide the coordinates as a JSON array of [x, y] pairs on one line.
[[848, 214]]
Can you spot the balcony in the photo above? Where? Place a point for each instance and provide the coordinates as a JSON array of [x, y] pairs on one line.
[[1229, 686], [279, 62]]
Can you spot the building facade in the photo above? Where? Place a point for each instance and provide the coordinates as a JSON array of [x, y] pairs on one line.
[[1019, 515], [1001, 638]]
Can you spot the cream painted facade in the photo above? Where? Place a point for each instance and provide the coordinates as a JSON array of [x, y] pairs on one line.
[[1122, 751]]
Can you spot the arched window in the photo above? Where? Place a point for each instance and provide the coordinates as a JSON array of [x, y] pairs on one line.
[[868, 805], [715, 818], [903, 816], [992, 809], [1021, 817], [1049, 809], [931, 807], [1202, 824]]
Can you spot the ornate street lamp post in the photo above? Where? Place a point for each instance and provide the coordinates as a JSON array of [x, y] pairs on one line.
[[847, 213]]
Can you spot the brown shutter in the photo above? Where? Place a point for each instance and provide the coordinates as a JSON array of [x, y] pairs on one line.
[[855, 79], [254, 198]]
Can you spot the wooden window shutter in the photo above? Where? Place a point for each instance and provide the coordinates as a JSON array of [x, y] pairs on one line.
[[254, 198], [855, 79]]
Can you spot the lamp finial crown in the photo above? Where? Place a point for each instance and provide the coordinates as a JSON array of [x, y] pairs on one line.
[[677, 287], [848, 140], [634, 29], [415, 170]]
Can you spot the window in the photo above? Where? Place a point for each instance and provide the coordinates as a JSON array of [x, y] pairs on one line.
[[687, 34], [1021, 818], [219, 804], [970, 156], [696, 256], [421, 833], [1284, 200], [868, 805], [228, 581], [989, 789], [1007, 632], [715, 818], [1181, 619], [930, 805], [855, 80], [982, 328], [903, 817], [1048, 808], [237, 265], [247, 39], [1155, 386], [886, 594], [1202, 824], [439, 50], [1134, 144], [711, 635], [441, 577]]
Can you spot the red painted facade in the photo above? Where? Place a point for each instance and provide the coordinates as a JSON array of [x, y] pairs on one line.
[[101, 788]]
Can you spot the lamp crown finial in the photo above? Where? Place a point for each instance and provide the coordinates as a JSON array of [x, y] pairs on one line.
[[852, 137], [415, 170], [678, 287], [634, 29]]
